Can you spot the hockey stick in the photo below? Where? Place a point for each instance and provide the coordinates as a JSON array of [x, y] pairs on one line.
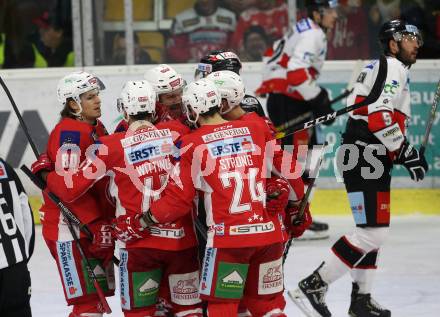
[[305, 200], [309, 114], [64, 210], [371, 98], [40, 184], [347, 91], [430, 119]]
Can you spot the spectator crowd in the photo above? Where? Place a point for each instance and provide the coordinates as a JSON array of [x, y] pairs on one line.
[[37, 33]]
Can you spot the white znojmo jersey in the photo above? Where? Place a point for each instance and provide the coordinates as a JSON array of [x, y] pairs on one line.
[[393, 103], [302, 49]]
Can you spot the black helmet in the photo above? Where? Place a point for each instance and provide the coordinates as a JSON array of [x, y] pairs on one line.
[[216, 61], [394, 30]]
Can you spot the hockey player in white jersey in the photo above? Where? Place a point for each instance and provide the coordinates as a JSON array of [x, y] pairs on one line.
[[375, 130], [292, 68]]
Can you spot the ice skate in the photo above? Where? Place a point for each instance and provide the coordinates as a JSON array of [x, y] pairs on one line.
[[362, 305], [314, 289], [316, 231]]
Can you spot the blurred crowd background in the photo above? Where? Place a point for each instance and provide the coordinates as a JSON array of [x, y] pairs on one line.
[[39, 33]]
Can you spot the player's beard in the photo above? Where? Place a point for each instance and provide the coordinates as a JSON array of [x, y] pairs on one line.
[[406, 57]]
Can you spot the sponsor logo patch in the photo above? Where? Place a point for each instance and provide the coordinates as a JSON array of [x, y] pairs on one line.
[[185, 288], [70, 137], [149, 150], [207, 271], [251, 228], [231, 146], [231, 278], [69, 273], [383, 208], [270, 277], [357, 205]]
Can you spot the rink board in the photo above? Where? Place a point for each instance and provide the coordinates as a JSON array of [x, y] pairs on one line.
[[335, 202]]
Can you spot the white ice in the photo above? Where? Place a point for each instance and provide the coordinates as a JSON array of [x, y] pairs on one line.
[[407, 281]]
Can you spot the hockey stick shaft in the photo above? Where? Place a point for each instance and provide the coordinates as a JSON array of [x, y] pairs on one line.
[[305, 200], [309, 114], [64, 210], [430, 119], [68, 221], [371, 98]]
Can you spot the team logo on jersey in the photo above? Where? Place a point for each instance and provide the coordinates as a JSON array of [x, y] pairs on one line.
[[231, 146], [3, 173]]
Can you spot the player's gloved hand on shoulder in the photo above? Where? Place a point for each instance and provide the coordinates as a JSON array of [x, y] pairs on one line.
[[413, 160], [297, 224], [130, 228], [103, 244], [43, 163], [277, 194], [321, 106]]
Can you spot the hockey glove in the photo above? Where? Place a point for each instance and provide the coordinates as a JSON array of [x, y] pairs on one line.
[[277, 193], [129, 228], [44, 163], [413, 161], [297, 225], [321, 106], [103, 244]]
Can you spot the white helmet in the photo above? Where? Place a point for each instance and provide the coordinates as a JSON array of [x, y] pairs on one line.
[[75, 84], [138, 96], [231, 87], [201, 95], [164, 79]]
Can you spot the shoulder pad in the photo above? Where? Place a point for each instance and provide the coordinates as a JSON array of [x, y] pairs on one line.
[[3, 172], [303, 25]]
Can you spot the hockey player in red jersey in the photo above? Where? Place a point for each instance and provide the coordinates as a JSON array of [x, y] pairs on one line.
[[376, 131], [68, 144], [279, 192], [225, 160], [168, 85], [138, 162]]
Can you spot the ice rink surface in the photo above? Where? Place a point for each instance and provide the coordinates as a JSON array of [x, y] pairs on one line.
[[407, 281]]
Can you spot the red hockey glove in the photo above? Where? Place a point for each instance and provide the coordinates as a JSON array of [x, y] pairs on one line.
[[277, 191], [295, 225], [129, 228], [103, 244], [43, 163]]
